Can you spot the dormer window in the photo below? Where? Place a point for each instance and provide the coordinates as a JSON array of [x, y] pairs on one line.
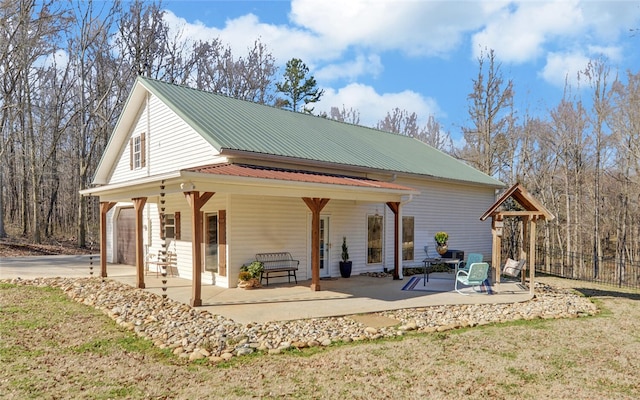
[[137, 151]]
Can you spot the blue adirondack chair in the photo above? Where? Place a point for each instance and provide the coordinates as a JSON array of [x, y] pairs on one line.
[[475, 276]]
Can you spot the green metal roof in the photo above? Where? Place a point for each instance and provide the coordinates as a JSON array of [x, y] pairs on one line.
[[233, 124]]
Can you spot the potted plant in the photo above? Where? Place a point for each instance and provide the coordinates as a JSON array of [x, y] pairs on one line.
[[249, 276], [345, 264], [441, 242]]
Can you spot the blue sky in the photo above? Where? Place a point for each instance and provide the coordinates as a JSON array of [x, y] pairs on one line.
[[421, 56]]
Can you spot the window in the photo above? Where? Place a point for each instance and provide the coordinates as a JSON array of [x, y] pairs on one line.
[[137, 152], [169, 226], [374, 239], [407, 238]]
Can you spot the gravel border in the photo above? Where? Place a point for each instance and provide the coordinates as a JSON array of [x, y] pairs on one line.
[[196, 334]]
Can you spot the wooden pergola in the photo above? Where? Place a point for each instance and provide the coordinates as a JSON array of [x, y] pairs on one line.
[[533, 212]]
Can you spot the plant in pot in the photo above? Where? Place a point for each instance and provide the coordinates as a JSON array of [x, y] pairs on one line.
[[249, 276], [441, 239], [345, 264]]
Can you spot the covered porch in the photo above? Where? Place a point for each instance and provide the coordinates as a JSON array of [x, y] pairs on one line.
[[358, 294], [197, 186]]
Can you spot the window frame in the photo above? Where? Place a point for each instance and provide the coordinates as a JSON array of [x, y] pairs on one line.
[[374, 253], [408, 251]]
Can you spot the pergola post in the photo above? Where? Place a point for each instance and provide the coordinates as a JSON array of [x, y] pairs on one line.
[[105, 206], [532, 254], [315, 205], [196, 201], [496, 255]]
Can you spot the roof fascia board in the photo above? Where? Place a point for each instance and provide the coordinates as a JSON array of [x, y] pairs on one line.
[[131, 186]]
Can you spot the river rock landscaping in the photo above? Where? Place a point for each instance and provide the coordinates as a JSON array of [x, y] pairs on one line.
[[197, 334]]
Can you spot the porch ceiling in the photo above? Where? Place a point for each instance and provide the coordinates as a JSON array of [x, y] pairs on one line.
[[256, 180]]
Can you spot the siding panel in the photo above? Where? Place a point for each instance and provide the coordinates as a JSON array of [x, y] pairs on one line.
[[170, 144]]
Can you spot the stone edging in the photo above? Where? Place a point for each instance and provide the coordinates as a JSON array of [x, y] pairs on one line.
[[195, 334]]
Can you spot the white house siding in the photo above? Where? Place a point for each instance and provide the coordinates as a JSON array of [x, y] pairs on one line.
[[272, 224], [441, 206], [349, 219], [170, 144], [267, 224]]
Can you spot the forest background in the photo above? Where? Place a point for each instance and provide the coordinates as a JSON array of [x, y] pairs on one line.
[[580, 159]]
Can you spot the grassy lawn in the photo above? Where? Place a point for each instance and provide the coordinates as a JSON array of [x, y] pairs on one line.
[[53, 348]]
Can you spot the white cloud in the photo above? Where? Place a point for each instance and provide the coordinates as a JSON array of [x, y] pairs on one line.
[[563, 68], [519, 32], [413, 27], [352, 69], [240, 33], [524, 30], [373, 106], [613, 53]]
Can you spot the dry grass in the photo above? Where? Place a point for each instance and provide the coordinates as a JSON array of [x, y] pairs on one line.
[[51, 347]]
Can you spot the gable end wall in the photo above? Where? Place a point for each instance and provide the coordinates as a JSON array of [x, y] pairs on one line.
[[171, 144]]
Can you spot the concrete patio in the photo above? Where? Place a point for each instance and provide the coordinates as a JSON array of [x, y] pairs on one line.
[[276, 302]]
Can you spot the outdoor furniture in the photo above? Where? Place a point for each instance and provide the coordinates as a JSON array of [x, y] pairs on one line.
[[166, 261], [279, 264], [475, 276], [513, 268], [473, 258], [430, 261]]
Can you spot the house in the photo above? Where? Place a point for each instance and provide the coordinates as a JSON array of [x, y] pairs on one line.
[[217, 180]]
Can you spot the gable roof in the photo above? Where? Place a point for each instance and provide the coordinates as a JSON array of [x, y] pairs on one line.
[[531, 205], [237, 125]]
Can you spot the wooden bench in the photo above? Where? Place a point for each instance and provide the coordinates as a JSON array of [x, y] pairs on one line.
[[278, 264]]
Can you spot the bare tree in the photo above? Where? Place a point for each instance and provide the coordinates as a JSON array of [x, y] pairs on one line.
[[491, 117], [597, 75], [433, 135], [626, 124], [142, 39], [351, 116], [400, 121], [96, 95], [405, 123], [249, 78]]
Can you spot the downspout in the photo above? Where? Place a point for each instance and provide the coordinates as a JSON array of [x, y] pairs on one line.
[[399, 249]]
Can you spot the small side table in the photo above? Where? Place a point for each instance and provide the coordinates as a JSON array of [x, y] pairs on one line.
[[429, 262]]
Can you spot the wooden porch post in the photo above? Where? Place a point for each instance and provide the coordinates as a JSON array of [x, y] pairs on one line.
[[525, 252], [139, 203], [222, 242], [196, 201], [315, 205], [496, 256], [105, 206], [532, 253], [395, 207]]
